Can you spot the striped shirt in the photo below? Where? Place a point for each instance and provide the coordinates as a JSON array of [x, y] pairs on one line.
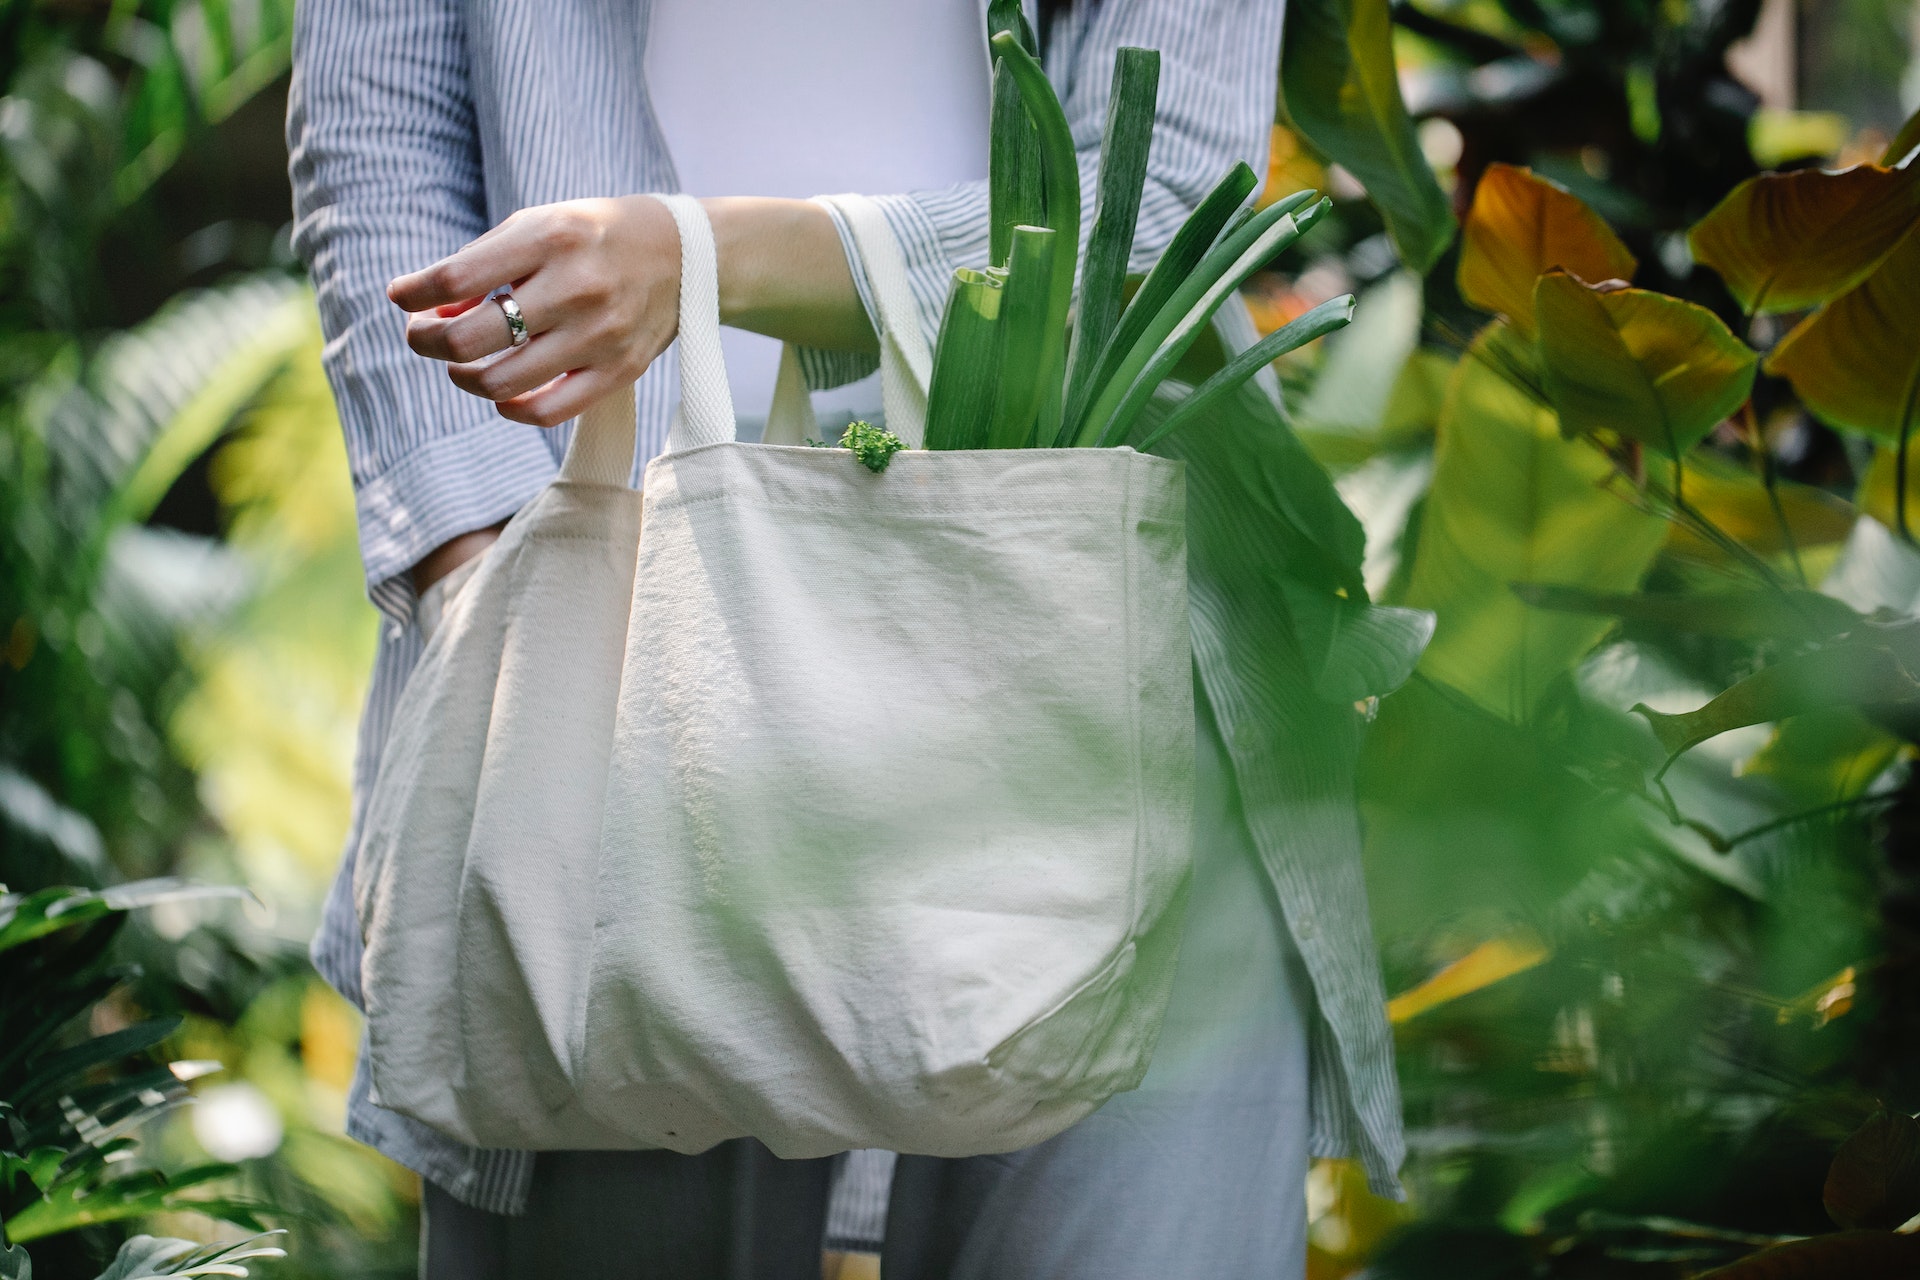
[[415, 126]]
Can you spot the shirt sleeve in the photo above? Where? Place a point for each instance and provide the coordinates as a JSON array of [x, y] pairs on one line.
[[1216, 106], [386, 173]]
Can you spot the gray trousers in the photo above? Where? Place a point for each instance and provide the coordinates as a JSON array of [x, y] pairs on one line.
[[1200, 1171]]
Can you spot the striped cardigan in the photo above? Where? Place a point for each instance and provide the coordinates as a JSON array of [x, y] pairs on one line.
[[414, 125]]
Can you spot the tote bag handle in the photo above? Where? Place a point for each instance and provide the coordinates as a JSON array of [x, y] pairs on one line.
[[906, 363], [603, 444], [602, 448]]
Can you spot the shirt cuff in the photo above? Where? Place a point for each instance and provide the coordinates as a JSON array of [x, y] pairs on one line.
[[455, 483]]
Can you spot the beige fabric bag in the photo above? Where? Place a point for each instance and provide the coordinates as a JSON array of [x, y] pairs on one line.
[[790, 800]]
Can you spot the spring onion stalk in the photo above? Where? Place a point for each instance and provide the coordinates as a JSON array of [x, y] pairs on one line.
[[1297, 333], [1196, 235], [1015, 196], [1023, 332], [1168, 334], [1011, 16], [1161, 362], [964, 388], [1060, 169], [1123, 176]]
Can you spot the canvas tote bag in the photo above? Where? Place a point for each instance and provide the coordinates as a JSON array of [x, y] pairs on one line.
[[787, 799]]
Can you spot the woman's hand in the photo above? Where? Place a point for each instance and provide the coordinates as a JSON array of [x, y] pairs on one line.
[[598, 283]]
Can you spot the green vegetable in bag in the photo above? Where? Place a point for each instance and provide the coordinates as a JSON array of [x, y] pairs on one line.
[[1003, 374]]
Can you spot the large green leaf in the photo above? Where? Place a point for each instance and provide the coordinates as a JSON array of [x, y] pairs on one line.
[[1355, 650], [1339, 86], [1851, 674], [1856, 362], [1786, 241], [1650, 367], [1520, 227], [1512, 501], [1737, 502], [1744, 615]]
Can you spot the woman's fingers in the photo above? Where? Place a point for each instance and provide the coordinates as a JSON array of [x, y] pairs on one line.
[[482, 330], [539, 362], [510, 251], [567, 397], [597, 282]]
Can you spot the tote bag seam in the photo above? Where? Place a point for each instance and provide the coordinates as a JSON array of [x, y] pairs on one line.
[[925, 512], [995, 1059], [1136, 749]]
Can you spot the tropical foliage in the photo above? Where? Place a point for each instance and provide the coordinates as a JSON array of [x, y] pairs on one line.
[[1637, 827], [1622, 420], [182, 646]]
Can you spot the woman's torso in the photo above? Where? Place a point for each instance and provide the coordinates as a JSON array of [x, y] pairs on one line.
[[777, 98]]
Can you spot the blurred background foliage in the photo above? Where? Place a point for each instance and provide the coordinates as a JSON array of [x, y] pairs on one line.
[[1646, 991], [183, 648]]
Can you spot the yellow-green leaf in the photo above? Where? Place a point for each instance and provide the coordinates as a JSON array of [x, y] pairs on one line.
[[1877, 492], [1787, 241], [1340, 88], [1650, 367], [1856, 361], [1522, 226], [1494, 960], [1735, 500], [1904, 142], [1514, 502]]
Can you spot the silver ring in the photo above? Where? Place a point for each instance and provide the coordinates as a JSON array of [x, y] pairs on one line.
[[510, 308]]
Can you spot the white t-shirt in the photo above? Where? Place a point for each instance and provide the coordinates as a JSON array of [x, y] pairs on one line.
[[807, 97]]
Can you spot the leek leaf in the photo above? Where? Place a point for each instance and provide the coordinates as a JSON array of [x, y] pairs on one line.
[[1319, 322], [1123, 173], [966, 364], [1014, 193], [1060, 171], [1189, 245], [1185, 317], [1023, 332], [1011, 16]]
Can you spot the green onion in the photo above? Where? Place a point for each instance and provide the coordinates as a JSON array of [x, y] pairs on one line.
[[1023, 338], [1010, 16], [1222, 271], [1015, 196], [1189, 245], [1060, 169], [964, 387], [1166, 337], [1123, 175], [1297, 333]]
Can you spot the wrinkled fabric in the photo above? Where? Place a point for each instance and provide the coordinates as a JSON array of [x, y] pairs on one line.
[[788, 800]]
